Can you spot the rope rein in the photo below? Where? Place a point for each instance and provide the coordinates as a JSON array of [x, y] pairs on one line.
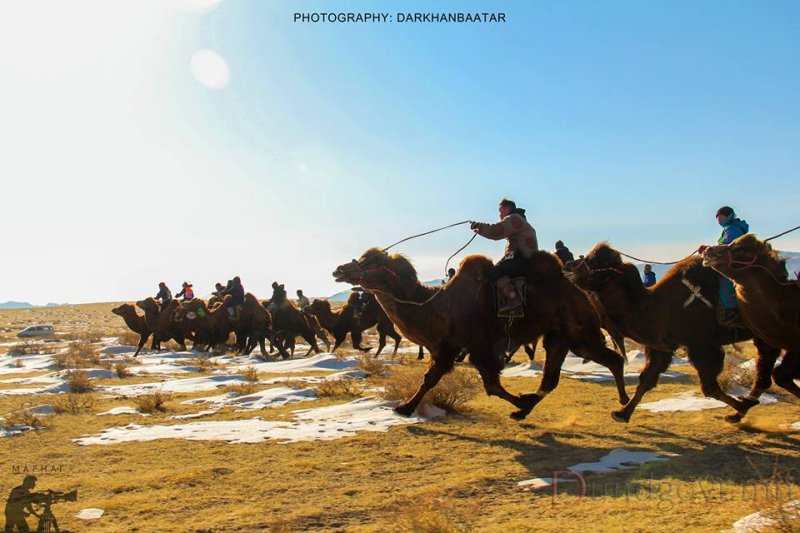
[[426, 233]]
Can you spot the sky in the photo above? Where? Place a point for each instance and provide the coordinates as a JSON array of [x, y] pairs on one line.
[[146, 141]]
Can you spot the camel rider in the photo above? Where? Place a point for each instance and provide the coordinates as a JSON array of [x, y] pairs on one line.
[[357, 299], [164, 294], [521, 245], [186, 292], [236, 291], [218, 288], [732, 229], [302, 301], [563, 253]]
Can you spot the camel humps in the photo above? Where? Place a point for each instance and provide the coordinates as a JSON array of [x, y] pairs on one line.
[[680, 310], [768, 300], [460, 316]]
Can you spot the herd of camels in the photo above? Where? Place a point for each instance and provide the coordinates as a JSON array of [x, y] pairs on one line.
[[566, 307]]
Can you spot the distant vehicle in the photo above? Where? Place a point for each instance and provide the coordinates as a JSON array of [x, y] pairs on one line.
[[36, 331]]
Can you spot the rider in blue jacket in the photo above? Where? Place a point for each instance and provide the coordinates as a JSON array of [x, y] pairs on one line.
[[732, 229]]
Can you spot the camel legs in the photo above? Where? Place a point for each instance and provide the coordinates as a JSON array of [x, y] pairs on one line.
[[440, 365], [612, 361], [556, 348], [619, 341], [530, 349], [708, 361], [355, 337], [142, 340], [657, 362], [788, 371], [493, 387], [765, 363], [391, 333], [421, 354]]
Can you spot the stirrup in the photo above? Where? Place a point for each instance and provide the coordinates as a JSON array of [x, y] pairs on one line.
[[510, 306]]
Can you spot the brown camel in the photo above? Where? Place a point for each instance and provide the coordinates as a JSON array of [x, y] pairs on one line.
[[137, 323], [289, 322], [680, 310], [461, 315], [768, 301], [162, 321], [211, 324], [338, 322], [254, 327], [373, 315]]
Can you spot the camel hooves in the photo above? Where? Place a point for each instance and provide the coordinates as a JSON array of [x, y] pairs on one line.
[[620, 416], [735, 418], [625, 400], [404, 410], [748, 402]]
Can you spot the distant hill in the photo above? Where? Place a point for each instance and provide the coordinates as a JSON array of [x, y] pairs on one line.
[[15, 305], [342, 297]]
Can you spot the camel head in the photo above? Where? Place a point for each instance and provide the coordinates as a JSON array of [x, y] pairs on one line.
[[377, 270], [596, 268], [742, 254], [124, 310], [319, 306], [149, 305]]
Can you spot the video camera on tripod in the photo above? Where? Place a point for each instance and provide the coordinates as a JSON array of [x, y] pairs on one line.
[[47, 521]]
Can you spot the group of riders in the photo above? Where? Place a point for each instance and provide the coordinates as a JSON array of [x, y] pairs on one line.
[[234, 288], [522, 243]]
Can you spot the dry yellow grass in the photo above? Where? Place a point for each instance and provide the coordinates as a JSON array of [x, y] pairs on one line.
[[458, 473]]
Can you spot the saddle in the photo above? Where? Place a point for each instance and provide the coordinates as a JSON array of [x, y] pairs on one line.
[[521, 287]]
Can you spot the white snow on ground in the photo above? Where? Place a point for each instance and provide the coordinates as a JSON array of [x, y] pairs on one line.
[[692, 401], [322, 361], [173, 385], [275, 397], [166, 368], [796, 425], [756, 522], [529, 369], [324, 423], [118, 349], [29, 363], [124, 410], [619, 459], [14, 429], [91, 513], [575, 368], [616, 460]]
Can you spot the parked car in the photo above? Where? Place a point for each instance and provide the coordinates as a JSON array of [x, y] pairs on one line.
[[36, 331]]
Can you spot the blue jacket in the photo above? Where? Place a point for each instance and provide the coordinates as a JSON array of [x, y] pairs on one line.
[[732, 229], [649, 279]]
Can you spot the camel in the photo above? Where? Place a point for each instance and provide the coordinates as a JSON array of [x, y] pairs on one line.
[[768, 301], [374, 315], [680, 310], [162, 321], [288, 322], [210, 323], [339, 322], [136, 322], [254, 327], [460, 315]]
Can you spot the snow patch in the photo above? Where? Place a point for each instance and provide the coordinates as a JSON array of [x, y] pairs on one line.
[[325, 423]]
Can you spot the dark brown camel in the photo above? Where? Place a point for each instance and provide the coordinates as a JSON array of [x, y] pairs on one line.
[[162, 321], [768, 301], [254, 327], [461, 315], [338, 322], [210, 323], [289, 322], [137, 324], [680, 310], [373, 315]]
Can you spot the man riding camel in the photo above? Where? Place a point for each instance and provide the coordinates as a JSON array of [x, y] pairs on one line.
[[186, 291], [164, 294], [237, 297], [521, 245]]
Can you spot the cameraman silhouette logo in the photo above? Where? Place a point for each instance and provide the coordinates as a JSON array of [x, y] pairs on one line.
[[20, 504]]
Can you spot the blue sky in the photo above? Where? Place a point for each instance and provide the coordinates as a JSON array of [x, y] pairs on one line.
[[626, 121]]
